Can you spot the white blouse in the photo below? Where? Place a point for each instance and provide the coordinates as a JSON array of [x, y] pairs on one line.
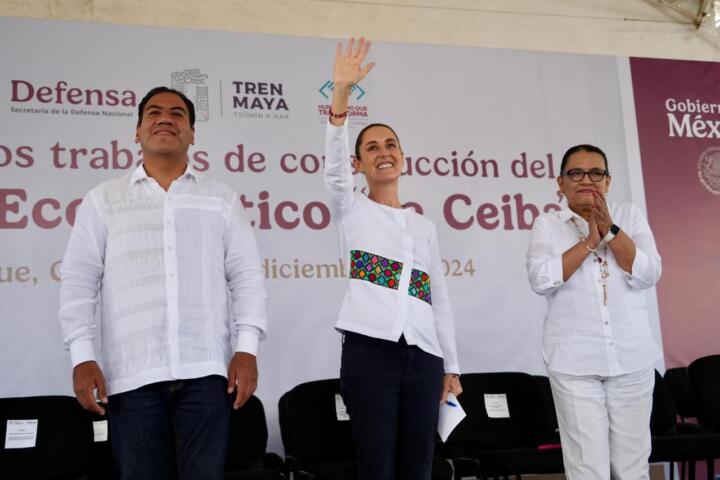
[[582, 335], [396, 285]]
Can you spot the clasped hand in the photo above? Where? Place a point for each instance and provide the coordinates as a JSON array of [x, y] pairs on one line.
[[600, 221]]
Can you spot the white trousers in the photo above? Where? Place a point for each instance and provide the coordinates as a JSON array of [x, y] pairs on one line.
[[604, 424]]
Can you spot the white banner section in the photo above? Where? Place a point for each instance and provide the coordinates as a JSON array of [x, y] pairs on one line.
[[483, 132]]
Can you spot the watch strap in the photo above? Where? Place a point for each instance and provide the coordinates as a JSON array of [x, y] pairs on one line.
[[612, 232]]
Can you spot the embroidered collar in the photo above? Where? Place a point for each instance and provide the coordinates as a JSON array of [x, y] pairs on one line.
[[140, 174]]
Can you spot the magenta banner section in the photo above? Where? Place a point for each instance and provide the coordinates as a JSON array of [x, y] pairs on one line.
[[678, 117]]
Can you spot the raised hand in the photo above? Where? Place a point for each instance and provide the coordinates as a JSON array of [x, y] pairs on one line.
[[348, 69]]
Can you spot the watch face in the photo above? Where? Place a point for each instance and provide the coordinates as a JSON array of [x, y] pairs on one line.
[[615, 229]]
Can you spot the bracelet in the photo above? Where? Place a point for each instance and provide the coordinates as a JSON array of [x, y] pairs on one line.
[[338, 115], [591, 250]]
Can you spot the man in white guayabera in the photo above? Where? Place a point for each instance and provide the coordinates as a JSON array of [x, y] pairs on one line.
[[165, 251]]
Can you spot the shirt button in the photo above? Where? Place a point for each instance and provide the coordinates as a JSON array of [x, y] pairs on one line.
[[611, 343], [607, 323], [169, 247]]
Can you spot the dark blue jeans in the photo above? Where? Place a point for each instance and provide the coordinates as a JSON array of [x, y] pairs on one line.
[[175, 429], [392, 393]]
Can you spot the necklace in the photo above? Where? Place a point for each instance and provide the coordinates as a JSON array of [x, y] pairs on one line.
[[601, 261]]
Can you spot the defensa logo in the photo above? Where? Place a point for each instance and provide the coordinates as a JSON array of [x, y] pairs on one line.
[[692, 118], [63, 94], [260, 100], [62, 98], [359, 113], [708, 169], [194, 84]]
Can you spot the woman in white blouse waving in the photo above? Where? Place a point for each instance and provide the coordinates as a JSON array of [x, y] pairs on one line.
[[592, 262], [399, 358]]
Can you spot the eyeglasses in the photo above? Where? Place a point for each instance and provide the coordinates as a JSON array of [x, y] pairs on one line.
[[577, 174]]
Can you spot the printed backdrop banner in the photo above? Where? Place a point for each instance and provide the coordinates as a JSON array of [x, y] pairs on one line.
[[678, 111], [483, 132]]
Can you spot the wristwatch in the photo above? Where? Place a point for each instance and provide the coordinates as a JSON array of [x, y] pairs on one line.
[[614, 230]]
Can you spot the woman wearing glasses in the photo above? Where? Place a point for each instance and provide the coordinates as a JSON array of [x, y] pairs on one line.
[[592, 262], [399, 359]]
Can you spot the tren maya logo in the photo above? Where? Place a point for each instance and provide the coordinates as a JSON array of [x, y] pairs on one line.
[[194, 84], [262, 100]]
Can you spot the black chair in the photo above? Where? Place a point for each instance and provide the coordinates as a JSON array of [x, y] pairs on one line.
[[63, 447], [550, 421], [523, 442], [679, 442], [247, 456], [704, 374], [318, 445], [678, 382]]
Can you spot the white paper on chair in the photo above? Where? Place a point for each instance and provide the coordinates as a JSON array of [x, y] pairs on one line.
[[100, 431], [451, 414], [21, 434], [341, 409], [496, 405]]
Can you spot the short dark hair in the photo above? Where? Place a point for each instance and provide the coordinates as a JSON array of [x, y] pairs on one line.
[[582, 148], [358, 141], [161, 89]]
